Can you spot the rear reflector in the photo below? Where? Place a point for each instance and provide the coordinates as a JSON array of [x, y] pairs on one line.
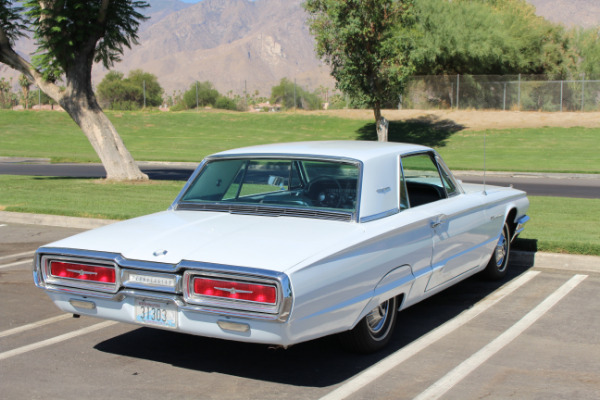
[[235, 290], [82, 272]]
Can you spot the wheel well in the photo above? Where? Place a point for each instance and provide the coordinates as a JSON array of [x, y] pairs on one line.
[[510, 220], [400, 301]]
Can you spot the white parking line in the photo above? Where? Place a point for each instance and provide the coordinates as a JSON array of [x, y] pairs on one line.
[[15, 264], [395, 359], [34, 325], [27, 253], [453, 377], [55, 340]]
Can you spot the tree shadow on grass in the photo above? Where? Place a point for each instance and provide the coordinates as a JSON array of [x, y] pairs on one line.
[[427, 130]]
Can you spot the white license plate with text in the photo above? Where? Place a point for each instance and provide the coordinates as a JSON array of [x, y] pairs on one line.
[[149, 312]]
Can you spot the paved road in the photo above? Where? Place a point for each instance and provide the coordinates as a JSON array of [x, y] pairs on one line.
[[533, 184], [531, 336], [544, 186]]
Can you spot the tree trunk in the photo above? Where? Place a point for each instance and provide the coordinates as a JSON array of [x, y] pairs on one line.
[[381, 124], [104, 138], [79, 101], [382, 129]]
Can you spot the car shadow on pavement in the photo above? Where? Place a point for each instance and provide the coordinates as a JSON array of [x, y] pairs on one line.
[[427, 130], [318, 363]]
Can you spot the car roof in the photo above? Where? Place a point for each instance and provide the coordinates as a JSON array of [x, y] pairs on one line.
[[358, 150]]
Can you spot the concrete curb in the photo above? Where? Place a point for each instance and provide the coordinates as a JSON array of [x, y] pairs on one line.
[[53, 220], [569, 262], [563, 262]]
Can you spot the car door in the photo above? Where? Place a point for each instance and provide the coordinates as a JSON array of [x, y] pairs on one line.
[[455, 218]]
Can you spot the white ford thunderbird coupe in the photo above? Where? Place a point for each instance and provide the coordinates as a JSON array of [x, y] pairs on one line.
[[280, 244]]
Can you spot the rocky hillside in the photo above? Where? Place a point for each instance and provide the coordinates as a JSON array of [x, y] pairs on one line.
[[235, 44], [249, 45], [571, 13]]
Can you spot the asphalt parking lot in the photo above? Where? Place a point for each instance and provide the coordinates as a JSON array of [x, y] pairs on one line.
[[534, 335]]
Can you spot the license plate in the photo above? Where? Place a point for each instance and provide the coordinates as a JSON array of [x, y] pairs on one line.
[[155, 313]]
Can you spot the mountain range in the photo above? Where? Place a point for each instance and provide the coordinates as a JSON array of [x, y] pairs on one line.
[[238, 45], [249, 45]]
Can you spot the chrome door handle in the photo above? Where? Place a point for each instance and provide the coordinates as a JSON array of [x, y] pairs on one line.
[[437, 223]]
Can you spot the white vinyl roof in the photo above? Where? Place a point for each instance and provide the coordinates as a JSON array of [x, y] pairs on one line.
[[358, 150]]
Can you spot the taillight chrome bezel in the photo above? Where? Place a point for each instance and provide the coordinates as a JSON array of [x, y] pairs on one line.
[[48, 277], [191, 297]]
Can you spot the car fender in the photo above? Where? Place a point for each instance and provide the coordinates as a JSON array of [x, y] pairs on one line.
[[395, 283]]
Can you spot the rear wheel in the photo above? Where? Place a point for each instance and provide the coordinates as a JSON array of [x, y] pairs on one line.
[[496, 268], [374, 331]]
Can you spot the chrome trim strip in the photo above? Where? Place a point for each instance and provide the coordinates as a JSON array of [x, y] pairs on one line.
[[380, 215], [267, 211]]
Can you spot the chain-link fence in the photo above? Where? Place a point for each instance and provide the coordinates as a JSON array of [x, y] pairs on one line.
[[476, 92], [506, 92]]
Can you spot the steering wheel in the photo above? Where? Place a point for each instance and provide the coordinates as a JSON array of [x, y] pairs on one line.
[[325, 191]]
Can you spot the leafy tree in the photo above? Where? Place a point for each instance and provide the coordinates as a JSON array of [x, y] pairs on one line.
[[154, 91], [486, 37], [587, 44], [290, 95], [225, 103], [118, 93], [70, 36], [201, 94], [360, 40]]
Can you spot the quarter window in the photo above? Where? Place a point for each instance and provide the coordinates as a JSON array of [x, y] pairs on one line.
[[422, 179]]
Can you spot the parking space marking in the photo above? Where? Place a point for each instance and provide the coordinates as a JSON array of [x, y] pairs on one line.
[[34, 325], [27, 253], [55, 340], [453, 377], [15, 264], [397, 358]]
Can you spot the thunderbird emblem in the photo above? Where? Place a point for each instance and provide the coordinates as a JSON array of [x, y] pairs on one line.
[[82, 272], [233, 290]]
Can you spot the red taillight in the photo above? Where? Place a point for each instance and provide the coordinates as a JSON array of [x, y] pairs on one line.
[[235, 290], [83, 272]]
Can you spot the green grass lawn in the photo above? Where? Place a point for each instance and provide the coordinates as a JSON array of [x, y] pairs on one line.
[[562, 225], [550, 229], [558, 224], [93, 198], [189, 136]]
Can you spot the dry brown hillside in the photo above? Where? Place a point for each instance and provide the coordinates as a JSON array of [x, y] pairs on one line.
[[585, 13]]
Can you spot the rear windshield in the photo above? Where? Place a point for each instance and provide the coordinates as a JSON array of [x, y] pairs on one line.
[[330, 185]]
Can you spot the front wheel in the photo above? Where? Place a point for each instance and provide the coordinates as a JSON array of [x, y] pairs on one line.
[[374, 331], [496, 268]]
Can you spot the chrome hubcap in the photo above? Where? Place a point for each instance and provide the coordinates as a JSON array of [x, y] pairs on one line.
[[377, 317], [501, 250]]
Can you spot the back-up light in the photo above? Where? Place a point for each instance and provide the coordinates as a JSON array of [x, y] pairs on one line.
[[82, 272], [234, 290]]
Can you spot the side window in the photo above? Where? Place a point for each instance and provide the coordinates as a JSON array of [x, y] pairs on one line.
[[449, 184], [422, 179]]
